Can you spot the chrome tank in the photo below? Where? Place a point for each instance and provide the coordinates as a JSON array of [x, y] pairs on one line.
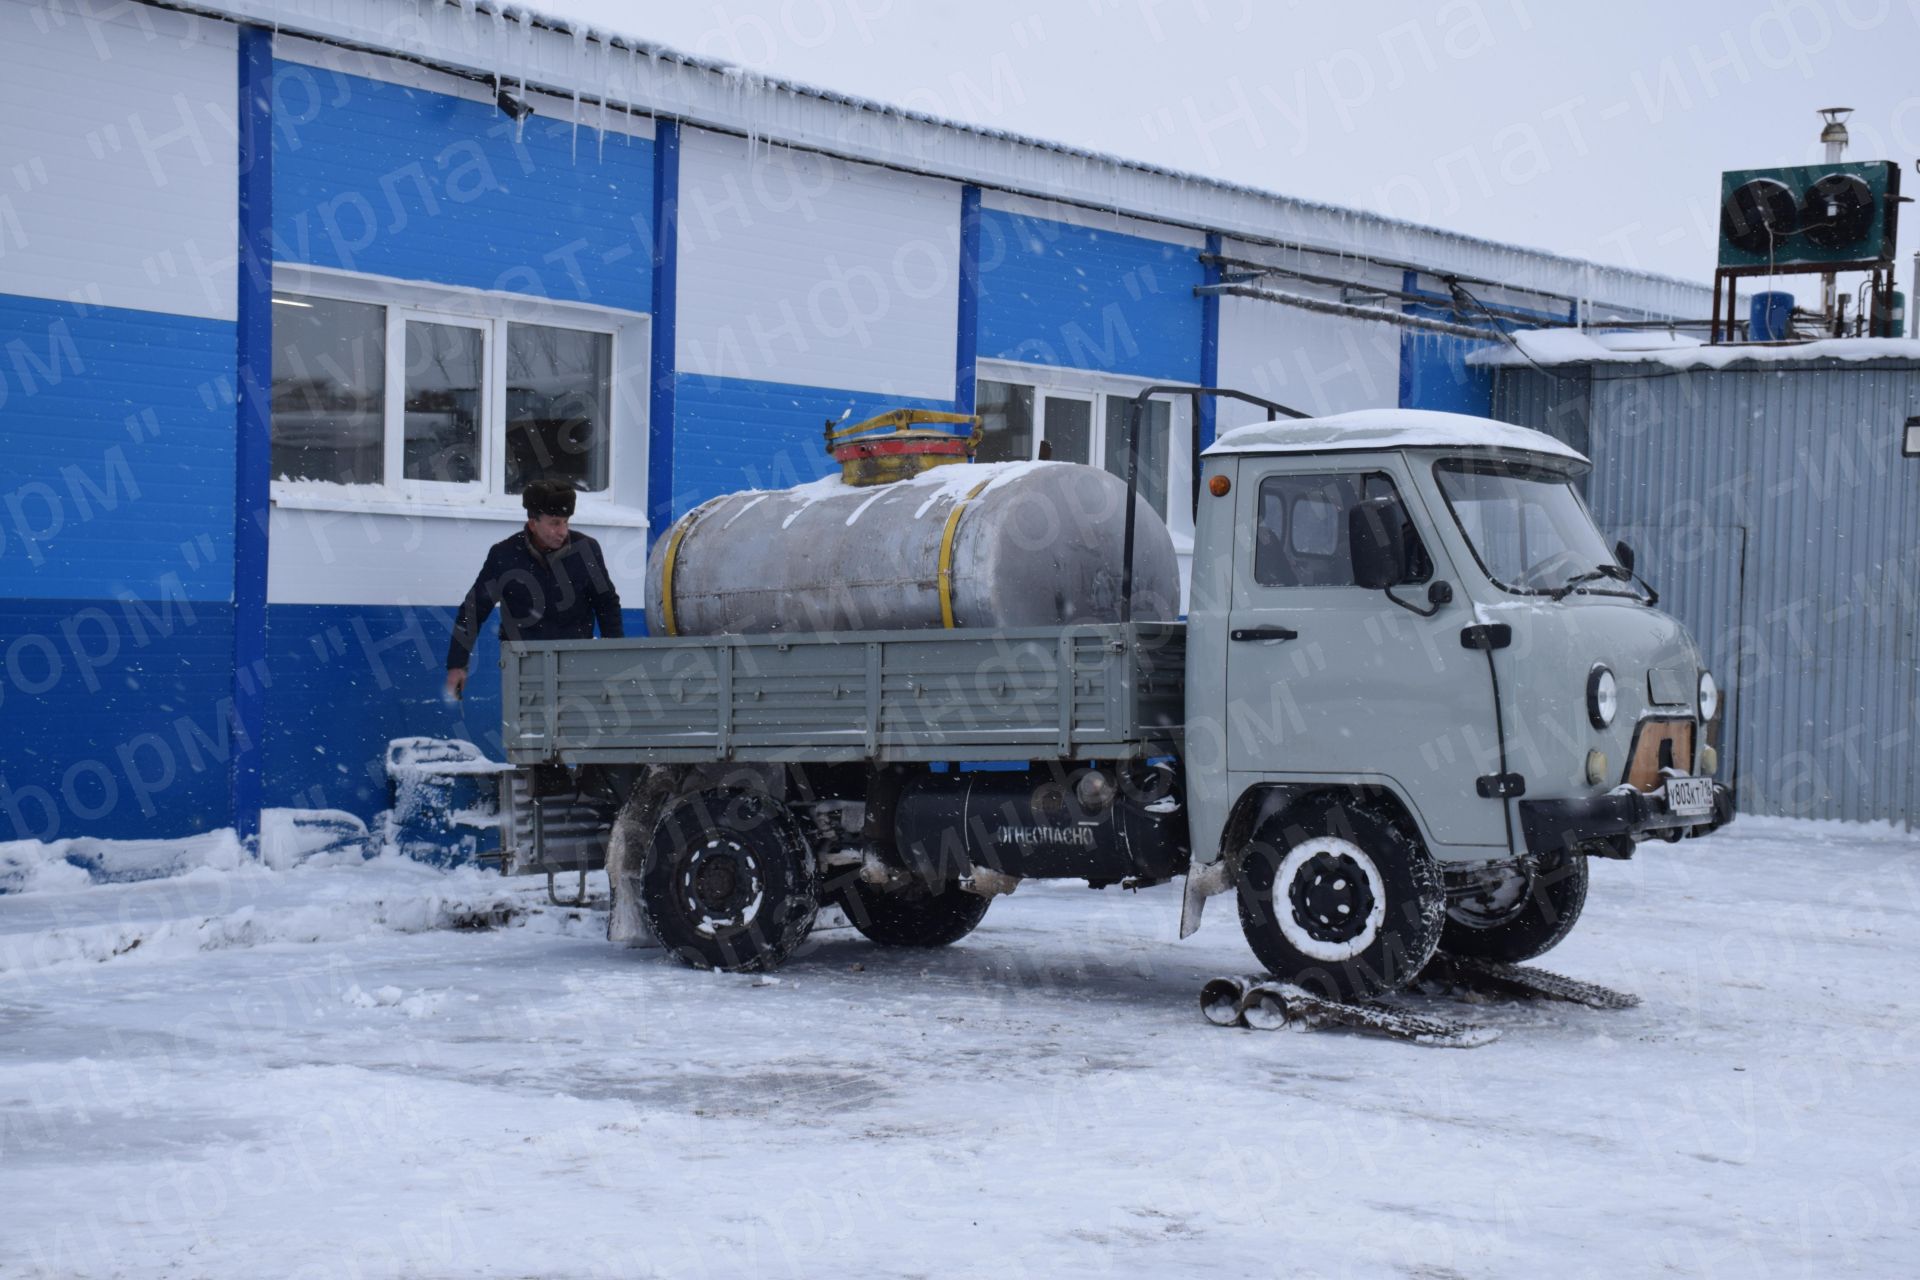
[[1026, 544]]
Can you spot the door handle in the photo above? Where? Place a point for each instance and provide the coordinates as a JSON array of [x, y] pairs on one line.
[[1265, 633]]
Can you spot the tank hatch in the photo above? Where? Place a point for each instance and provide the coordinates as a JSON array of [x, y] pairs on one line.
[[899, 444]]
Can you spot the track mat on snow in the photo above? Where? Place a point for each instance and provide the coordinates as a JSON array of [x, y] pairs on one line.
[[1490, 977], [1271, 1006]]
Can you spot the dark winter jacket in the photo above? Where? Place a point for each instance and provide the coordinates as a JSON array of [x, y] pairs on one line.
[[541, 597]]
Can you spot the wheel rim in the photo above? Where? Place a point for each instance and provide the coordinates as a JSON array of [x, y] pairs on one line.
[[721, 885], [1492, 902], [1329, 899]]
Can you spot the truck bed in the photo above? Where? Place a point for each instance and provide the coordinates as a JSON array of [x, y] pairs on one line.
[[1096, 691]]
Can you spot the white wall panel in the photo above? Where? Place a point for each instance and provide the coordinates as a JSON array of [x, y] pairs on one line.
[[799, 268], [359, 62], [379, 558], [118, 157], [1316, 363]]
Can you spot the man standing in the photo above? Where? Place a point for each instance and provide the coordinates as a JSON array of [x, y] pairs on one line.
[[549, 583]]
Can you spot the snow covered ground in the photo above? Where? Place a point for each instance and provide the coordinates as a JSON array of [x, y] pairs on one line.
[[390, 1070]]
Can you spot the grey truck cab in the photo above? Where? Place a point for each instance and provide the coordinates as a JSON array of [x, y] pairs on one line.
[[1414, 694], [1422, 692]]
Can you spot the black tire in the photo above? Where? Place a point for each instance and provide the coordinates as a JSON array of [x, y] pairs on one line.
[[914, 917], [1336, 898], [728, 883], [1540, 913]]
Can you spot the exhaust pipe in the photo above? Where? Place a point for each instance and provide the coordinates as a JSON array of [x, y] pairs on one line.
[[1265, 1008], [1220, 1001]]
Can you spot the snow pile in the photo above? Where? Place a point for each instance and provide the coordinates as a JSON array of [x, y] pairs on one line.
[[444, 800], [249, 907], [1674, 351], [418, 1004], [417, 759], [33, 866], [289, 837]]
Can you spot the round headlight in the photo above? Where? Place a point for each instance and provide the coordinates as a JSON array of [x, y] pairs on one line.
[[1603, 696], [1709, 695]]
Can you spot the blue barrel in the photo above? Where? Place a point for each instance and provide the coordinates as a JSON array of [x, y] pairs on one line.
[[1772, 317]]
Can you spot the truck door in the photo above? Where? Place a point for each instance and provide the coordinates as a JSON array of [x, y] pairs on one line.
[[1327, 679]]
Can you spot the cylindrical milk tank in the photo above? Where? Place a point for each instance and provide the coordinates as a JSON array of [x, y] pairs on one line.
[[1771, 317], [1006, 544]]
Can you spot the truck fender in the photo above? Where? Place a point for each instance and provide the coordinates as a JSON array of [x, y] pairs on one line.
[[1264, 807]]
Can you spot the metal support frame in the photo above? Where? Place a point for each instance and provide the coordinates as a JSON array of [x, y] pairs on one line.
[[1135, 408], [1726, 320]]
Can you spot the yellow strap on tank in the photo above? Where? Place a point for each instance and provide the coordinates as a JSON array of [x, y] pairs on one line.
[[673, 555], [946, 554]]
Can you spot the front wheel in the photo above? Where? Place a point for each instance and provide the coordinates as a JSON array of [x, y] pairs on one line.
[[728, 883], [1338, 899], [1521, 915], [913, 917]]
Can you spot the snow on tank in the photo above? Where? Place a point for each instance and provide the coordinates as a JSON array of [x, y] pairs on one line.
[[1003, 544], [1390, 429]]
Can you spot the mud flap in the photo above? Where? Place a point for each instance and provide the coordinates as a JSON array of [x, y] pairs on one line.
[[1202, 884], [632, 833]]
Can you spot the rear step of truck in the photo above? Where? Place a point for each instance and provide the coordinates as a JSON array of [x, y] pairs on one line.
[[1264, 1004]]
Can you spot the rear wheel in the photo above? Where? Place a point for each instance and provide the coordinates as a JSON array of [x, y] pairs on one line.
[[1521, 914], [1338, 899], [913, 917], [728, 883]]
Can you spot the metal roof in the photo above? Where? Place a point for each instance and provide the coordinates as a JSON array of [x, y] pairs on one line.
[[486, 39]]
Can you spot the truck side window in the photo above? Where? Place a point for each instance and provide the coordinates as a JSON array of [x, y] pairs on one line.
[[1301, 540]]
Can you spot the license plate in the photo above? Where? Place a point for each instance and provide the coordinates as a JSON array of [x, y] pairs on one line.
[[1690, 796]]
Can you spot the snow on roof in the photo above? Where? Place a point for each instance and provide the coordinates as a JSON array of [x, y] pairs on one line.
[[1388, 429], [552, 54], [1677, 351]]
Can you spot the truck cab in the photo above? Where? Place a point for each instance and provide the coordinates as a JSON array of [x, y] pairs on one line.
[[1422, 691]]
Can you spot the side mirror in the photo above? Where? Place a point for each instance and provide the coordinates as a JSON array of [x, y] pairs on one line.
[[1376, 543], [1624, 554]]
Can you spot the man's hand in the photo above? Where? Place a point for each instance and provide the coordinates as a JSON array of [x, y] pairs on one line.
[[456, 682]]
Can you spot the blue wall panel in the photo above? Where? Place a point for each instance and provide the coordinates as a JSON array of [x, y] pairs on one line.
[[117, 718], [348, 679], [380, 178], [1056, 294], [1434, 374], [116, 431], [731, 433]]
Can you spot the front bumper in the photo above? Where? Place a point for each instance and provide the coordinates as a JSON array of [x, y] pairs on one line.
[[1609, 825]]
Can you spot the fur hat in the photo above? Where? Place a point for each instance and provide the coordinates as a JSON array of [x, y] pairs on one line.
[[548, 498]]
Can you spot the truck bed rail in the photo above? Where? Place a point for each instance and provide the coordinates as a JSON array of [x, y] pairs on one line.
[[1095, 691]]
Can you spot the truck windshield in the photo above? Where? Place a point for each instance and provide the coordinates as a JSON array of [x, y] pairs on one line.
[[1528, 528]]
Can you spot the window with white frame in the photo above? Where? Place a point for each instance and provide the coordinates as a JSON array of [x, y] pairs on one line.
[[1071, 416], [443, 394]]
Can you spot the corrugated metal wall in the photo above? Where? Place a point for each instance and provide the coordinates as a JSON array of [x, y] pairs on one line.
[[1772, 507]]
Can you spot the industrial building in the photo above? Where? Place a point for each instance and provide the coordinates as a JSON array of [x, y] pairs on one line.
[[1772, 494], [296, 295]]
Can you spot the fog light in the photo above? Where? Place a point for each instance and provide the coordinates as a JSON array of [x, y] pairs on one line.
[[1597, 770], [1709, 760]]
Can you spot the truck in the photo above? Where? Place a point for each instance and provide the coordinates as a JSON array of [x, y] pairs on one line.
[[1413, 696]]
